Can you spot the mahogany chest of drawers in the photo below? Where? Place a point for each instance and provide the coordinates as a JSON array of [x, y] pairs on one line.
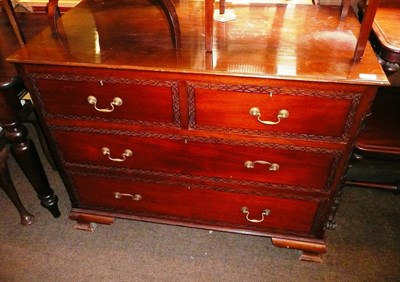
[[178, 142]]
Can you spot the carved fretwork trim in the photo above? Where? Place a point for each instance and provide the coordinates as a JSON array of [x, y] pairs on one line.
[[211, 187], [148, 176], [235, 142], [201, 222], [149, 134], [104, 79], [290, 91], [174, 85], [111, 120]]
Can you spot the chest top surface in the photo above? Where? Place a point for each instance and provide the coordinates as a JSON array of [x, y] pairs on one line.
[[294, 42]]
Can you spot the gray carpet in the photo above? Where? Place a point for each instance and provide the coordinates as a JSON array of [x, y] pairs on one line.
[[364, 247]]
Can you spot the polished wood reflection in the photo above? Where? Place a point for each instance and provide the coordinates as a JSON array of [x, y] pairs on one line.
[[285, 41]]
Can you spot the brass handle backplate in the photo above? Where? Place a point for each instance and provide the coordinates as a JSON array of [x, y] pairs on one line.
[[265, 213], [272, 166], [127, 153], [255, 112], [135, 197], [115, 102]]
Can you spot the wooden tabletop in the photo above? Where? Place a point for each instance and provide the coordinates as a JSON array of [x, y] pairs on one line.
[[386, 24], [301, 42]]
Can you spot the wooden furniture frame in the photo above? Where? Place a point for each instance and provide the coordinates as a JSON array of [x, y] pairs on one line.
[[254, 144], [380, 138]]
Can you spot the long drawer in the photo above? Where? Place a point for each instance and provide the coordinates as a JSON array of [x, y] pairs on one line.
[[273, 111], [110, 99], [196, 205], [229, 160]]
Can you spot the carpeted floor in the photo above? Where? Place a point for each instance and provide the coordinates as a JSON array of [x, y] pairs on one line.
[[364, 247]]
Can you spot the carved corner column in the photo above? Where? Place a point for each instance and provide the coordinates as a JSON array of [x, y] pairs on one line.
[[22, 148]]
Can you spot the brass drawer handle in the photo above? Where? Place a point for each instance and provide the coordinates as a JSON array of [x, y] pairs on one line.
[[125, 154], [272, 166], [255, 112], [115, 102], [119, 195], [265, 213]]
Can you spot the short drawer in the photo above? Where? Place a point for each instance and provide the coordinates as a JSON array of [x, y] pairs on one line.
[[272, 111], [117, 99], [224, 160], [177, 202]]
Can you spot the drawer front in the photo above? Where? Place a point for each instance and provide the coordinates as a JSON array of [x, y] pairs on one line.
[[196, 205], [214, 159], [147, 102], [271, 111]]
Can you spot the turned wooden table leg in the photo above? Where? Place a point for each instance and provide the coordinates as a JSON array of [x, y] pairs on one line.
[[22, 148], [26, 155], [8, 186]]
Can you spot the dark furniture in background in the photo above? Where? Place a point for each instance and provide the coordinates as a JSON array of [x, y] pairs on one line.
[[381, 136], [13, 114]]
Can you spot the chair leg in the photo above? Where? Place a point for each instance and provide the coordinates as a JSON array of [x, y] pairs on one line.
[[222, 7], [53, 13], [345, 9], [365, 29], [170, 12], [8, 186], [9, 9], [208, 24]]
